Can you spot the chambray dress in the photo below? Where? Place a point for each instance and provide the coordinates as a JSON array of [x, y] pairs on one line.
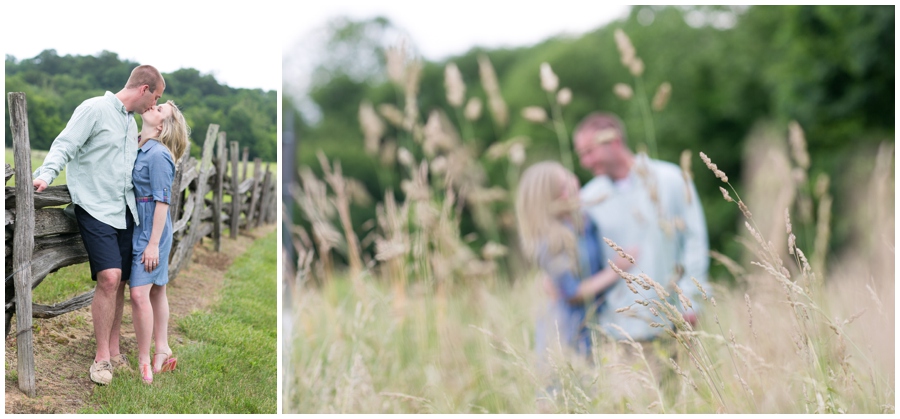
[[566, 321], [153, 173]]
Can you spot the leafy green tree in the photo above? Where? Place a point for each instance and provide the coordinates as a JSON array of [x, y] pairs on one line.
[[55, 85]]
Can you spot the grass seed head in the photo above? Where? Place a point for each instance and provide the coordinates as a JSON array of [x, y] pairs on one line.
[[744, 209], [549, 80], [453, 82], [700, 287], [517, 154], [637, 67], [392, 114], [626, 49], [372, 127], [661, 98], [535, 114], [564, 96], [623, 91], [798, 144], [725, 194], [473, 109], [715, 169]]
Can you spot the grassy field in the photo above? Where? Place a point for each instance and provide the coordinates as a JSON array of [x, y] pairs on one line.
[[428, 324], [229, 366], [355, 353]]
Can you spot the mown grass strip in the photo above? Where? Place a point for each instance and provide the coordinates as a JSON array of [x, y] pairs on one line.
[[228, 363]]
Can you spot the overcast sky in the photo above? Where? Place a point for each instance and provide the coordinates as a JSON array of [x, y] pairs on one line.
[[243, 46], [240, 46], [449, 28], [440, 30]]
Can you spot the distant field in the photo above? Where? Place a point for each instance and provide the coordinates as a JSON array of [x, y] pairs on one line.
[[37, 158]]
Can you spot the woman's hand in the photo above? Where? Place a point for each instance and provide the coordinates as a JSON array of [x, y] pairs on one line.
[[150, 257], [549, 288]]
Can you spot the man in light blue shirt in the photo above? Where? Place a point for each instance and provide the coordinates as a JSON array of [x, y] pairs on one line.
[[98, 148], [645, 204]]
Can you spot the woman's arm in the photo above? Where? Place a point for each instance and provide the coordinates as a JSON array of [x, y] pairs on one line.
[[596, 284], [151, 253], [162, 172], [591, 286]]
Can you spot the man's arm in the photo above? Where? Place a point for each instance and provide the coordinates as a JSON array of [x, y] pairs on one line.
[[77, 131]]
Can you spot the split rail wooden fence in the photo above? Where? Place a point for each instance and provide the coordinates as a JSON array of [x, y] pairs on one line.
[[41, 239]]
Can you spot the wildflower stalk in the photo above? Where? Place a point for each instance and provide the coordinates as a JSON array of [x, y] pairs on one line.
[[565, 151], [649, 128], [467, 132]]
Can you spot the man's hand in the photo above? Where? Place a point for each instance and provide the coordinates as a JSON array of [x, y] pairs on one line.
[[39, 185]]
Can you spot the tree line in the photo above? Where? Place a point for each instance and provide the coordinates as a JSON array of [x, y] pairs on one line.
[[55, 85]]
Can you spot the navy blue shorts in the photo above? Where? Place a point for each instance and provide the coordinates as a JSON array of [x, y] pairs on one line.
[[107, 247]]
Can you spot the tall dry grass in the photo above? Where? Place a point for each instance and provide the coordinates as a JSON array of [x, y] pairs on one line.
[[427, 324]]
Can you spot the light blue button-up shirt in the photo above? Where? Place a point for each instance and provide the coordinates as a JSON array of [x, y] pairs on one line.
[[97, 148], [629, 217]]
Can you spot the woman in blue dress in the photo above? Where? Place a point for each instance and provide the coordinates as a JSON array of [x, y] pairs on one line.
[[163, 140], [565, 245]]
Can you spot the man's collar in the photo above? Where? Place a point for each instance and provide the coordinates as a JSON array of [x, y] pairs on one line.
[[116, 102]]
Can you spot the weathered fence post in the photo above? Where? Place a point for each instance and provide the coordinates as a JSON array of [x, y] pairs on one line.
[[182, 254], [176, 206], [23, 245], [244, 157], [264, 199], [235, 195], [221, 159], [252, 213]]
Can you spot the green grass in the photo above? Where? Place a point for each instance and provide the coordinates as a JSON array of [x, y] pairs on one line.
[[37, 158], [229, 364], [63, 284]]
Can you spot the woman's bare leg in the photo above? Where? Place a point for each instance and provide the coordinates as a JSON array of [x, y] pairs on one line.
[[160, 322], [142, 318]]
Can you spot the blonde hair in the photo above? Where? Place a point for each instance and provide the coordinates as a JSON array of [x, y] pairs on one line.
[[175, 132], [540, 211]]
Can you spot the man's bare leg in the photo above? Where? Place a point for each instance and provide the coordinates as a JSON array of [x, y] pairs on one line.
[[116, 331], [103, 310]]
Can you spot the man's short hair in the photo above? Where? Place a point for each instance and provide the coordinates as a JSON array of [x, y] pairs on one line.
[[599, 121], [145, 74]]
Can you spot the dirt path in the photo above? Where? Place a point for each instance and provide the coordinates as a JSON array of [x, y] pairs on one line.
[[64, 346]]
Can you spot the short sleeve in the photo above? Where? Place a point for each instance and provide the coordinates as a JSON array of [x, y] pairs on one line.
[[162, 173]]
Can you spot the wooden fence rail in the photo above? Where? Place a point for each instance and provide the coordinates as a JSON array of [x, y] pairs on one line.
[[40, 239]]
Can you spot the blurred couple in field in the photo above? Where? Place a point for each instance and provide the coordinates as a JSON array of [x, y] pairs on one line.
[[645, 207], [120, 182]]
